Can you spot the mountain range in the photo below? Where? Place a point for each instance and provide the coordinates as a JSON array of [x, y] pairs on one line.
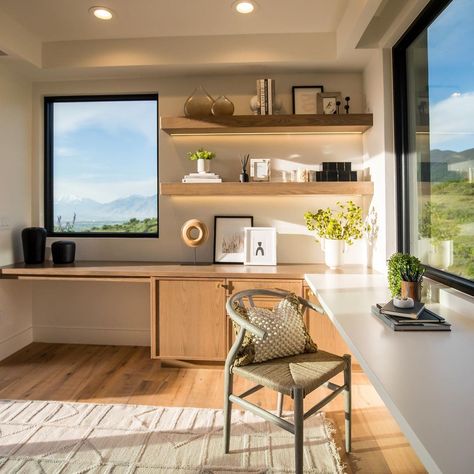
[[123, 209]]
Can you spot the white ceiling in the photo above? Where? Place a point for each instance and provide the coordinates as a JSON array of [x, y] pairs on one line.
[[62, 20]]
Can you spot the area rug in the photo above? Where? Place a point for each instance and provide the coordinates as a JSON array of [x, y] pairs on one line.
[[67, 438]]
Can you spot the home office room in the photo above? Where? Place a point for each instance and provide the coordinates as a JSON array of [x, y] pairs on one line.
[[236, 236]]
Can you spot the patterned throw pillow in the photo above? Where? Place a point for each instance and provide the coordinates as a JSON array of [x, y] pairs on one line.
[[286, 332]]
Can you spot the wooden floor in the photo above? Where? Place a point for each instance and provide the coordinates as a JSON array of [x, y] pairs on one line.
[[112, 374]]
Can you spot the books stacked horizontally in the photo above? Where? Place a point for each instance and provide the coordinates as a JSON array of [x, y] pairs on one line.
[[418, 318], [266, 95], [202, 178]]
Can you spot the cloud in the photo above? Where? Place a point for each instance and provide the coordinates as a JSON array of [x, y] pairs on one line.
[[452, 122], [113, 117]]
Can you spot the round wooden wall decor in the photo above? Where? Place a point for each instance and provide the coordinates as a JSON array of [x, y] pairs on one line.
[[194, 233]]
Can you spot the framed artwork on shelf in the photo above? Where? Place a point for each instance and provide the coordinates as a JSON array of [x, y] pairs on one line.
[[305, 99], [260, 169], [328, 103], [229, 238], [260, 246]]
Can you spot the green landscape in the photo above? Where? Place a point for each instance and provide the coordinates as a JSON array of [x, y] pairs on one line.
[[145, 226]]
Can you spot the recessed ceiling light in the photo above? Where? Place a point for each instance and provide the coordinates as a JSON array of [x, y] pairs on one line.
[[102, 13], [244, 6]]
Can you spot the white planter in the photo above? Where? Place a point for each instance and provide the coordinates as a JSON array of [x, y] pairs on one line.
[[424, 249], [442, 254], [333, 252], [203, 166]]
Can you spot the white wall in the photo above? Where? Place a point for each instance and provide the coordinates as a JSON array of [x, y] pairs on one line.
[[295, 243], [15, 204]]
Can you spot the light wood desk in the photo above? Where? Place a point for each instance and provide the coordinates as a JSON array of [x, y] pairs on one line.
[[425, 379]]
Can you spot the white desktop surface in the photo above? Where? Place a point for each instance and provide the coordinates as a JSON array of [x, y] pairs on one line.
[[426, 379]]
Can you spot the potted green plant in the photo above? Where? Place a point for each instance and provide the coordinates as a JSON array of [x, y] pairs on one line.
[[405, 273], [203, 159], [335, 229]]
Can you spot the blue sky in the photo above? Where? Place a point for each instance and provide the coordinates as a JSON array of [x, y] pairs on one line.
[[105, 150], [451, 77]]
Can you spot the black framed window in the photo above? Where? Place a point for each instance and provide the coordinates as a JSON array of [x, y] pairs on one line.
[[434, 126], [101, 165]]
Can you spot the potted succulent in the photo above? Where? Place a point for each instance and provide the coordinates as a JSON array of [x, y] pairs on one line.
[[203, 159], [405, 273], [335, 229]]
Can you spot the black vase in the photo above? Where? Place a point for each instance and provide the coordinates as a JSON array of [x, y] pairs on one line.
[[63, 251], [34, 244], [244, 177]]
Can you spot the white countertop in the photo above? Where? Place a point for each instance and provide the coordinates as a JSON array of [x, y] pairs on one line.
[[426, 379]]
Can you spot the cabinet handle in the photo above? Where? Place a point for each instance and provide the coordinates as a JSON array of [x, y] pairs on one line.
[[223, 285]]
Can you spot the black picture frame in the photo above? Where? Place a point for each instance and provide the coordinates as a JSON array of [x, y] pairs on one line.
[[215, 253], [49, 102], [294, 89]]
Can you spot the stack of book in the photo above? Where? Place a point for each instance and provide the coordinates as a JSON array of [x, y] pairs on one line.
[[418, 318], [266, 95], [202, 178]]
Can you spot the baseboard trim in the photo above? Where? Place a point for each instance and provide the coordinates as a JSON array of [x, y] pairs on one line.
[[15, 342], [91, 335]]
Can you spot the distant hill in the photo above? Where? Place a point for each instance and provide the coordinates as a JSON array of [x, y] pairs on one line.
[[134, 206], [449, 156]]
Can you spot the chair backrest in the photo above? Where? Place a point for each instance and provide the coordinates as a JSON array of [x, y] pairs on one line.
[[245, 325]]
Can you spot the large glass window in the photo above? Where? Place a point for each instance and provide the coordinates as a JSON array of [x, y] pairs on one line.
[[434, 86], [101, 165]]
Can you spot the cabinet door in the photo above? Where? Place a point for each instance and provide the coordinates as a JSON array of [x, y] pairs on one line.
[[323, 331], [192, 321]]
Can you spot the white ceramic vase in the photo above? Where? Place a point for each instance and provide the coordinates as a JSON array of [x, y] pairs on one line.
[[442, 254], [333, 252], [203, 166]]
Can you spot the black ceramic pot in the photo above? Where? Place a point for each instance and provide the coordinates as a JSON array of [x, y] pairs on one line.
[[63, 251], [244, 177], [34, 244]]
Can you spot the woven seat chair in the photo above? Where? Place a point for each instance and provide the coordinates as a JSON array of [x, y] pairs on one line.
[[295, 376]]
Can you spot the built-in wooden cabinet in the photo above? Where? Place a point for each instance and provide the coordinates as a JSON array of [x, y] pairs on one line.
[[191, 319]]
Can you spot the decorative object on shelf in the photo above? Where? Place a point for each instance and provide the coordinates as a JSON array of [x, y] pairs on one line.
[[327, 102], [305, 99], [405, 274], [203, 159], [266, 96], [244, 161], [229, 237], [335, 229], [338, 104], [255, 105], [34, 245], [301, 175], [346, 107], [63, 252], [260, 246], [194, 234], [199, 103], [403, 303], [336, 171], [260, 169], [222, 106]]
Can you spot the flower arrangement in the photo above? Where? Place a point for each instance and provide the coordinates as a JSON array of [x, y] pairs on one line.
[[403, 267], [201, 154], [345, 223]]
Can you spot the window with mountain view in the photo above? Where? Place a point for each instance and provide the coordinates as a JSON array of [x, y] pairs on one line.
[[439, 150], [101, 167]]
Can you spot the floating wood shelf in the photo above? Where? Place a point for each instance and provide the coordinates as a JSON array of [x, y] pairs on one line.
[[267, 189], [268, 124]]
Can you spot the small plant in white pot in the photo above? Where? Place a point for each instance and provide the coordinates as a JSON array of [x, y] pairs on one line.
[[335, 229], [203, 159]]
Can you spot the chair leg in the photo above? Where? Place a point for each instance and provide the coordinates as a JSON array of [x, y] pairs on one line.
[[228, 382], [280, 404], [298, 419], [348, 402]]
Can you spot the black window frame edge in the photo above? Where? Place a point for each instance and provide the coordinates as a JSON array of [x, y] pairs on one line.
[[400, 98], [48, 179]]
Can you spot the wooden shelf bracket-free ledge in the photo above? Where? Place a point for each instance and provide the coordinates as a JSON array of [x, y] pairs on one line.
[[267, 189], [268, 124]]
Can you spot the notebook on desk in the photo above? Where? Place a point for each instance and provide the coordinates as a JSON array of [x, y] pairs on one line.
[[426, 321]]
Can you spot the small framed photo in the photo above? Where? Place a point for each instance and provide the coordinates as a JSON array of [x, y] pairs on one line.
[[327, 103], [260, 246], [305, 99], [229, 236], [260, 169]]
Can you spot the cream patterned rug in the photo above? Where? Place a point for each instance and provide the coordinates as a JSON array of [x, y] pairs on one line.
[[79, 438]]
